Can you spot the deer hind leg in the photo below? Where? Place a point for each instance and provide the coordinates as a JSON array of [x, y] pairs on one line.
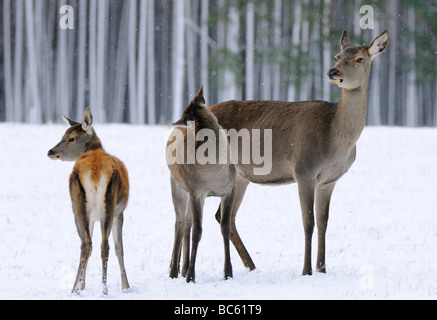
[[78, 199], [117, 232], [180, 200], [240, 190], [323, 199], [306, 196], [196, 206], [106, 230], [225, 225], [85, 253]]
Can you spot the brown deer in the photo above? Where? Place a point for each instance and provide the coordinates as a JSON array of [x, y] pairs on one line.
[[193, 181], [314, 142], [99, 191]]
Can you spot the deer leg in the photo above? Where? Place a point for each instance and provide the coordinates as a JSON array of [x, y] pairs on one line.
[[186, 242], [117, 235], [106, 230], [78, 199], [195, 205], [85, 252], [225, 225], [323, 198], [240, 190], [306, 196], [180, 200]]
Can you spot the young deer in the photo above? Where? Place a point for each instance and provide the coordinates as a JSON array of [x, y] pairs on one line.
[[314, 142], [99, 191], [192, 183]]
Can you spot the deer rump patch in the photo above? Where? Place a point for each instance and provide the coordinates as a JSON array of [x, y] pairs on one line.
[[95, 194]]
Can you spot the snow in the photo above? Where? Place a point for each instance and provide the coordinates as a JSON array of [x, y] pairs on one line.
[[381, 236]]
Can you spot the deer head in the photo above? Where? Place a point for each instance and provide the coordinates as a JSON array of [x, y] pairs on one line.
[[195, 111], [78, 139], [352, 64]]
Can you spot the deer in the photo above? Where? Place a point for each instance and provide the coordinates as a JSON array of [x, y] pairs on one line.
[[192, 182], [314, 142], [99, 191]]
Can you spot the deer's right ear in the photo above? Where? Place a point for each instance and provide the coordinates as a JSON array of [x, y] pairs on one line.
[[69, 121], [87, 121]]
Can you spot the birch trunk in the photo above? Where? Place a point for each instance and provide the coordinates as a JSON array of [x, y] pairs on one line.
[[250, 51], [178, 59], [204, 40], [293, 94], [81, 77], [7, 46], [411, 100], [18, 60], [141, 72], [151, 111], [34, 112]]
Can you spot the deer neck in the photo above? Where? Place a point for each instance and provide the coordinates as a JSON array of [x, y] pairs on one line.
[[93, 144], [350, 117]]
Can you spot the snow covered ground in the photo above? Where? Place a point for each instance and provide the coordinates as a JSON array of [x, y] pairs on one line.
[[381, 241]]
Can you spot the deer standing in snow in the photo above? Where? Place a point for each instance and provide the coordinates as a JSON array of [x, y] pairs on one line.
[[314, 142], [192, 182], [99, 191]]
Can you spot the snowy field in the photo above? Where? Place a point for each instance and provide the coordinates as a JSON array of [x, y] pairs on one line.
[[381, 240]]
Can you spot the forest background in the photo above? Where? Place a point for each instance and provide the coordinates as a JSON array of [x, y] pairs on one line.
[[141, 61]]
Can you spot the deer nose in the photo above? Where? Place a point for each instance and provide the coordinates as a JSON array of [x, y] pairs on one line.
[[332, 73]]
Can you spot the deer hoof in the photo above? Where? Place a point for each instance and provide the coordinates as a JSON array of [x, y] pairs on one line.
[[307, 272], [321, 269]]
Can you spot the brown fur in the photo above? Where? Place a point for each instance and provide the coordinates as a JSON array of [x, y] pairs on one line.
[[191, 184], [314, 142], [99, 191]]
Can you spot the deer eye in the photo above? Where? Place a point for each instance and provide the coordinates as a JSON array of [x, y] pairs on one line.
[[360, 60], [71, 140]]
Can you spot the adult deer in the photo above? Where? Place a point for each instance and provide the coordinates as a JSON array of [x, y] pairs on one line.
[[314, 142], [99, 191], [193, 181]]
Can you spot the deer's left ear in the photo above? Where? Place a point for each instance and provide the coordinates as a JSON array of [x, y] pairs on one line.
[[87, 121], [70, 122], [379, 44], [199, 100]]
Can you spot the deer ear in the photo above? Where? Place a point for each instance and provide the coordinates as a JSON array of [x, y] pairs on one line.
[[345, 41], [69, 121], [199, 99], [87, 121], [379, 44], [179, 123]]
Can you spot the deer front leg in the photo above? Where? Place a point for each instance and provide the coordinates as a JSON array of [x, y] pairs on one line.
[[196, 206], [323, 199], [306, 196], [186, 242]]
